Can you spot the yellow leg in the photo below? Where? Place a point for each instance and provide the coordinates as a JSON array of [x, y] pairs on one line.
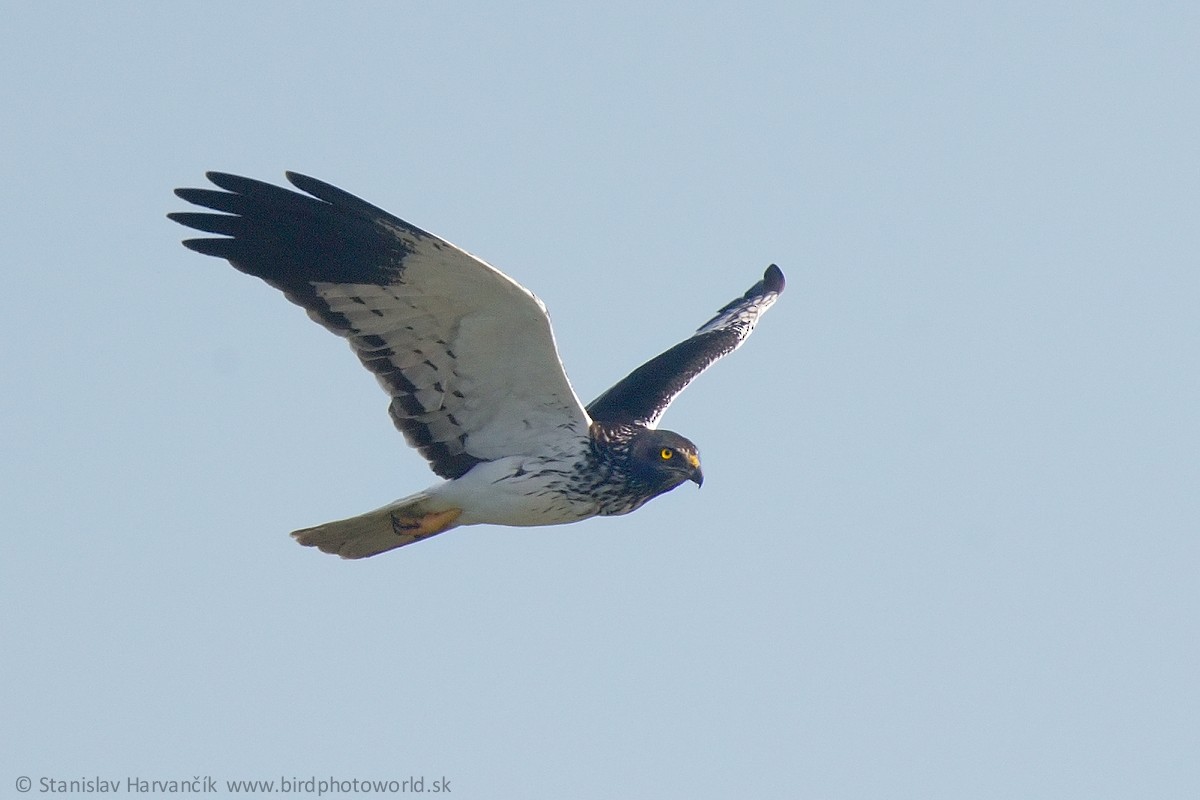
[[427, 525]]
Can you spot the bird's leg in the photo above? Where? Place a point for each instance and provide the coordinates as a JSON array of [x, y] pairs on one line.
[[424, 525]]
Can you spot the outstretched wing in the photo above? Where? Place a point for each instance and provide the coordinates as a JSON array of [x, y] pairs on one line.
[[466, 353], [643, 396]]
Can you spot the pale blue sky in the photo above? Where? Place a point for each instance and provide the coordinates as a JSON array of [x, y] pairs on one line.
[[947, 542]]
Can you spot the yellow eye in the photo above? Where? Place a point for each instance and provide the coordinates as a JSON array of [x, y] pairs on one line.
[[666, 453]]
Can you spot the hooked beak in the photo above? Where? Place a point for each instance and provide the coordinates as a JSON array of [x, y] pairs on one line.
[[697, 477]]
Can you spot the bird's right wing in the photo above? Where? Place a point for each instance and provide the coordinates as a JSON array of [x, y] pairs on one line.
[[642, 397], [466, 353]]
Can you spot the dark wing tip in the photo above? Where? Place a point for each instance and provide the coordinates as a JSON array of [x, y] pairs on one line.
[[221, 248], [773, 279], [327, 192], [331, 194], [234, 183], [303, 182]]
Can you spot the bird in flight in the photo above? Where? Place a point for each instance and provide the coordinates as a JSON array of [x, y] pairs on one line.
[[468, 358]]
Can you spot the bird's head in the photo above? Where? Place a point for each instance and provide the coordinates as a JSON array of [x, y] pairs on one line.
[[664, 460]]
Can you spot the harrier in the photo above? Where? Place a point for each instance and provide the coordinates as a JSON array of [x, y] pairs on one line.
[[468, 358]]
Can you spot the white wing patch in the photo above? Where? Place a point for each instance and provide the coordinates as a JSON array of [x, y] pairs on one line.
[[468, 372]]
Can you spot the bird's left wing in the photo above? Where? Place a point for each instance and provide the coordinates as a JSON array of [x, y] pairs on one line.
[[642, 397], [466, 353]]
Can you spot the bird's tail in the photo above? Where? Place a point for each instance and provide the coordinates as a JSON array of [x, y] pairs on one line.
[[395, 525]]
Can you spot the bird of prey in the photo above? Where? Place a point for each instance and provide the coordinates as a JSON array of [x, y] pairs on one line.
[[469, 361]]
